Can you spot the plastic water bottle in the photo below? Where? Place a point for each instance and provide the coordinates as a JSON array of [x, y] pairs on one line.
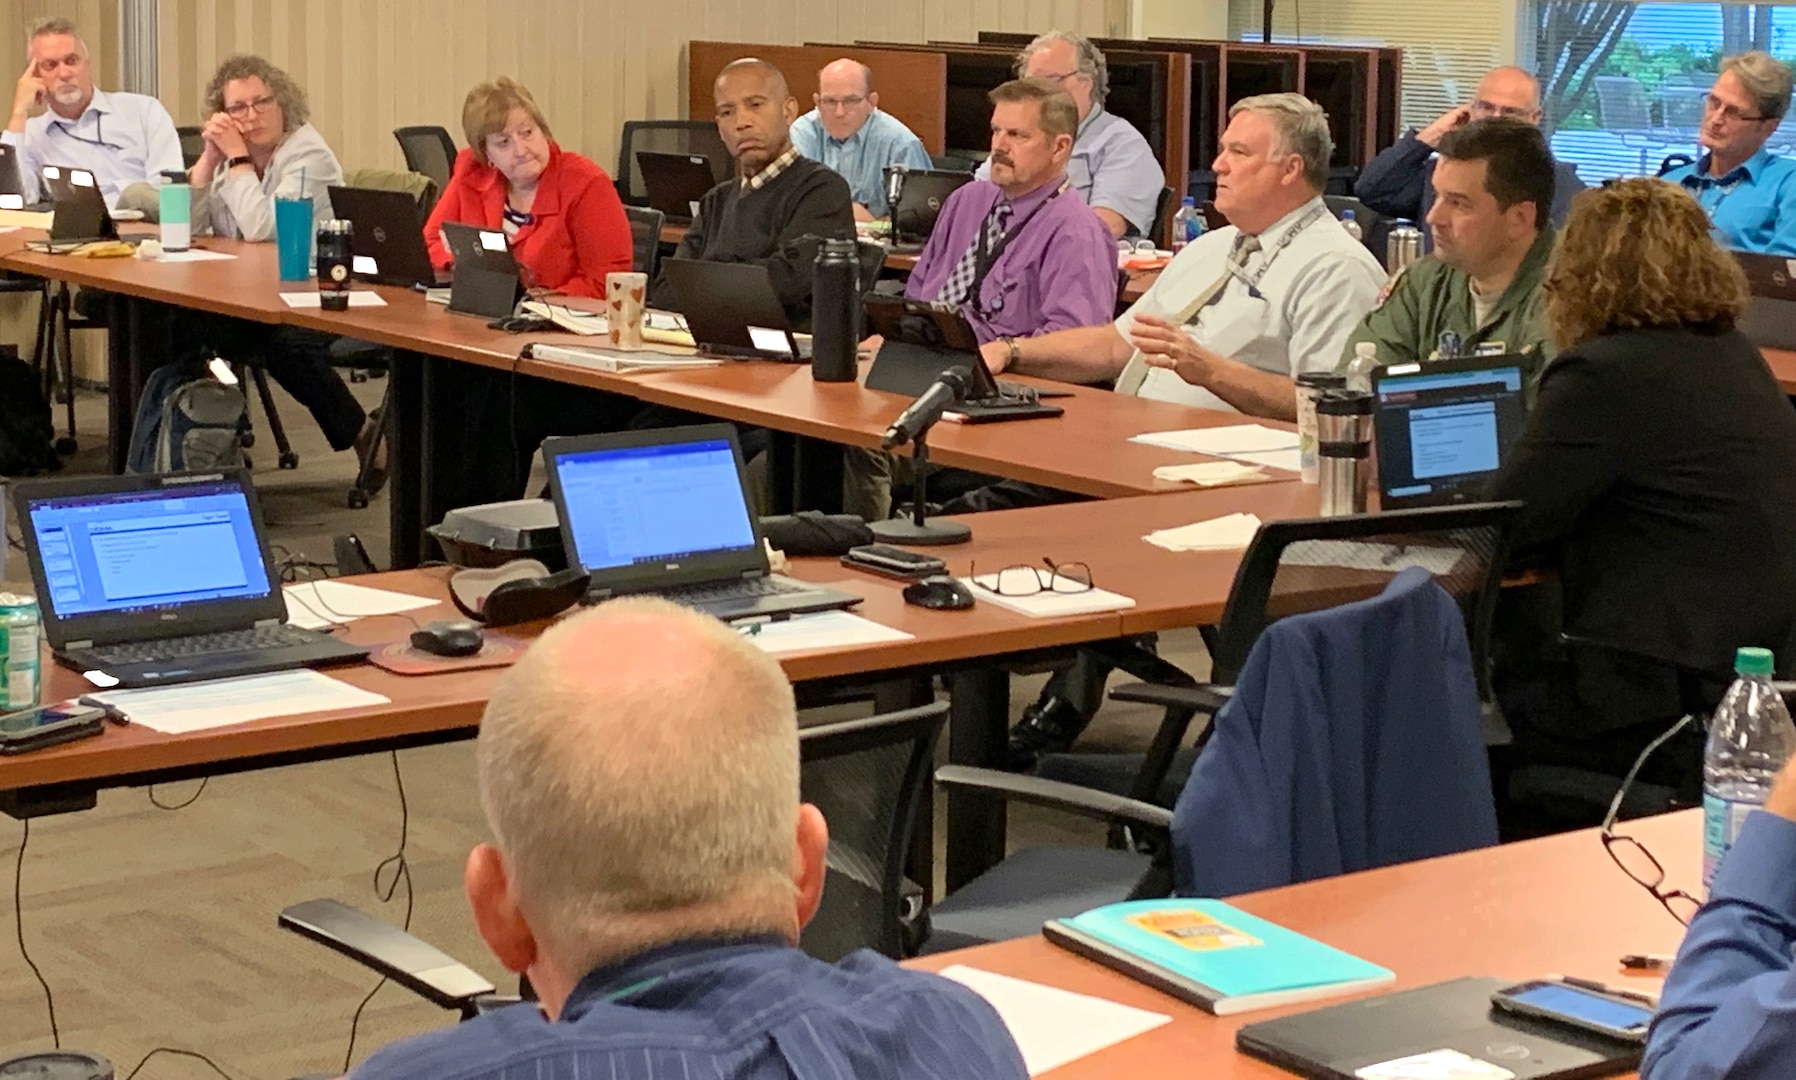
[[1350, 222], [1750, 739], [1359, 369], [1187, 224]]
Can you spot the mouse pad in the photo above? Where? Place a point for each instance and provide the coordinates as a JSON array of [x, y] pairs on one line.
[[400, 658]]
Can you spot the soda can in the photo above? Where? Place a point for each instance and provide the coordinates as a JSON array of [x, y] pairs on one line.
[[19, 660]]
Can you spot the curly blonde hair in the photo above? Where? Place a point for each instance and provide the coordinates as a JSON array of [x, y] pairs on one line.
[[1638, 254], [295, 110]]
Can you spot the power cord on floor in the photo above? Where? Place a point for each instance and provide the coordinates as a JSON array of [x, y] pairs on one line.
[[185, 803], [402, 871], [179, 1053], [18, 908]]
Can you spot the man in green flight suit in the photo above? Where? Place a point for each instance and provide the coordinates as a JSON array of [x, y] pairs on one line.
[[1493, 190]]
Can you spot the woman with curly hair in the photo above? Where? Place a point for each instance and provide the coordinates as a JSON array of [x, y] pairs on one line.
[[257, 143], [1658, 469]]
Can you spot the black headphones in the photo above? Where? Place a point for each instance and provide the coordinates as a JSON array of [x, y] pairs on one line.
[[520, 591]]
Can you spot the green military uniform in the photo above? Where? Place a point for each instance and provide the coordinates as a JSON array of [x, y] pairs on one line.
[[1430, 298]]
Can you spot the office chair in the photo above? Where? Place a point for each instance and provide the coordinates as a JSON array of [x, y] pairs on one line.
[[1161, 231], [950, 163], [193, 144], [645, 238], [1673, 161], [667, 137], [428, 149]]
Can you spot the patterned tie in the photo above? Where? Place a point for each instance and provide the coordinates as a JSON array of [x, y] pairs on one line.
[[960, 279], [1135, 372]]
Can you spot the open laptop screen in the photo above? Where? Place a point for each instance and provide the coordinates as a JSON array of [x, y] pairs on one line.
[[1442, 433], [122, 552], [647, 505]]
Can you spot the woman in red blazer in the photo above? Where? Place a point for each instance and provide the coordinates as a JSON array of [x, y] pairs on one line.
[[562, 213]]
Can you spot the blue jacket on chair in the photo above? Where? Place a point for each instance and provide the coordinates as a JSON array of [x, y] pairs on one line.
[[1352, 741]]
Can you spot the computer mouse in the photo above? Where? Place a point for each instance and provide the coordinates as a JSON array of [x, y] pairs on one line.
[[939, 593], [447, 638]]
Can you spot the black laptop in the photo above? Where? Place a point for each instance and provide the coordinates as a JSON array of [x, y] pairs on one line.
[[388, 241], [1770, 319], [12, 183], [1445, 427], [667, 512], [81, 215], [921, 194], [486, 280], [922, 339], [156, 580], [1441, 1024], [732, 311], [674, 183]]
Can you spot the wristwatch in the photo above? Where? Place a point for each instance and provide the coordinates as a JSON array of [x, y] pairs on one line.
[[240, 159], [1016, 353]]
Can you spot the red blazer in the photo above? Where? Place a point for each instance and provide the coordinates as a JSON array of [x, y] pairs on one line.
[[580, 233]]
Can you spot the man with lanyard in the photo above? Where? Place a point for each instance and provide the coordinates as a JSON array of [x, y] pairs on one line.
[[1750, 195], [121, 138], [1112, 167], [1019, 254], [1294, 285], [848, 132], [1480, 292]]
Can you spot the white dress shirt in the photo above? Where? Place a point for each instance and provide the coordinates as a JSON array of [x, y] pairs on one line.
[[241, 205], [121, 138], [1313, 287]]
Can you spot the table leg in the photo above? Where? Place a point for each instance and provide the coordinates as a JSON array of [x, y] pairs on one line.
[[818, 484], [978, 724], [405, 461], [782, 472], [125, 374]]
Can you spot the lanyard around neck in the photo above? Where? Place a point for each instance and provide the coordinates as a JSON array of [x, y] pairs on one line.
[[986, 254]]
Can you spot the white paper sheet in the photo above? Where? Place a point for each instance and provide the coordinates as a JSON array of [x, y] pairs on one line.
[[1210, 473], [177, 710], [823, 630], [1066, 599], [318, 604], [1053, 1026], [1222, 441], [1230, 532], [310, 299], [192, 255]]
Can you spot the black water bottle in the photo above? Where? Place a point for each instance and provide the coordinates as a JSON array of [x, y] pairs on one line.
[[835, 311]]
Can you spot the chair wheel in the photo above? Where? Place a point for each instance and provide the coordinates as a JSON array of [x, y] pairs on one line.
[[247, 439], [289, 460], [358, 499], [66, 446]]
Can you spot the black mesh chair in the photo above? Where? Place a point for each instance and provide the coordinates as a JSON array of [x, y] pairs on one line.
[[645, 238], [193, 144], [1161, 231], [428, 149], [867, 776], [666, 137], [950, 163]]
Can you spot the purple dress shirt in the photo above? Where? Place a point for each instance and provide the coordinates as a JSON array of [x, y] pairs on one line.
[[1058, 271]]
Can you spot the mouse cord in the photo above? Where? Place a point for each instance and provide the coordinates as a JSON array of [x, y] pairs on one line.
[[402, 871], [18, 906]]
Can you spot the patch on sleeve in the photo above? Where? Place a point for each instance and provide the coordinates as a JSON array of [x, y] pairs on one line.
[[1390, 287]]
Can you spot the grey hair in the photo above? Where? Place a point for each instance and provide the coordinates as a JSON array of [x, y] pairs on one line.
[[295, 111], [1302, 130], [1766, 78], [1087, 58], [54, 24]]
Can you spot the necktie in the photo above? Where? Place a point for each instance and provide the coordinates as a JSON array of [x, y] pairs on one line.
[[1135, 372], [960, 279]]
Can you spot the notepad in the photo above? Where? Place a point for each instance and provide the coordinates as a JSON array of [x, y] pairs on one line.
[[177, 710], [1065, 599], [822, 630], [1231, 532], [1213, 473], [1220, 959], [1052, 1026], [1252, 443], [619, 362]]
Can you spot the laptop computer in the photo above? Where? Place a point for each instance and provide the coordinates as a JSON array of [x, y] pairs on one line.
[[486, 281], [922, 340], [674, 183], [81, 215], [1770, 319], [12, 183], [666, 512], [921, 194], [732, 311], [165, 579], [1444, 428], [1446, 1019], [387, 246]]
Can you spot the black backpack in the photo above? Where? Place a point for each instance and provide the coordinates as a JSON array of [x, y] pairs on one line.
[[27, 436]]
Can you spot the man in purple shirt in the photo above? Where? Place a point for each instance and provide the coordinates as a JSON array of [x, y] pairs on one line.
[[1019, 254]]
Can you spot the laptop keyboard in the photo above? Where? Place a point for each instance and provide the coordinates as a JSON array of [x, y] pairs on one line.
[[255, 639], [745, 589]]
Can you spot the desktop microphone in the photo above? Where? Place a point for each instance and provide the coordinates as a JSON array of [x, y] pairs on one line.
[[895, 183], [948, 389]]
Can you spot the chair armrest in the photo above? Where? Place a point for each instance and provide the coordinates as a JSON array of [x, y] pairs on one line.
[[1086, 802], [1206, 698], [420, 968]]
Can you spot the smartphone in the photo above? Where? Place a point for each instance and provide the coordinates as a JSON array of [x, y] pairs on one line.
[[893, 561], [48, 725], [1617, 1017]]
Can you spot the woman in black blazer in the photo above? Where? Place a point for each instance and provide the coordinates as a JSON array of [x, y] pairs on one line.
[[1658, 469]]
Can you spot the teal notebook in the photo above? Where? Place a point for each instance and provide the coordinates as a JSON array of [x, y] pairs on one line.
[[1208, 953]]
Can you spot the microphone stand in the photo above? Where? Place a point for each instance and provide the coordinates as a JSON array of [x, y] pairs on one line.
[[918, 532]]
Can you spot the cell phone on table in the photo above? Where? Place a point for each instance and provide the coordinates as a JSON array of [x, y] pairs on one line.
[[892, 561], [1614, 1015], [48, 725]]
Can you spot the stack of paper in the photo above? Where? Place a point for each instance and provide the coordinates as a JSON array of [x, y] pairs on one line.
[[1053, 1026], [612, 361], [823, 630], [1212, 473], [573, 320], [1066, 599], [175, 710], [1230, 533], [1253, 443]]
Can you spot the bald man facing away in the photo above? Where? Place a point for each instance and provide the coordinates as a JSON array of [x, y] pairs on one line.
[[848, 133], [1398, 183], [650, 869], [776, 198]]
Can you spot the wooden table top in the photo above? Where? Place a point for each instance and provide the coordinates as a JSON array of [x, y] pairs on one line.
[[1520, 911]]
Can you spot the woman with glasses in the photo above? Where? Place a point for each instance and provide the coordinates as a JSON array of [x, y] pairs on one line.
[[258, 144], [1658, 473]]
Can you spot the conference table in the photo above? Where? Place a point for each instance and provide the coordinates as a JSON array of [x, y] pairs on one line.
[[1519, 911]]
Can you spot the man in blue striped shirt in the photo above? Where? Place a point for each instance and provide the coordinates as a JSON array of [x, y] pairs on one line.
[[650, 870], [847, 132]]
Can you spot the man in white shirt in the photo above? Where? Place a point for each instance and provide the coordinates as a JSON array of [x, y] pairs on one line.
[[121, 138]]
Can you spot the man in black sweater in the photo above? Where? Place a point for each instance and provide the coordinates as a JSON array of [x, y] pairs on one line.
[[776, 198]]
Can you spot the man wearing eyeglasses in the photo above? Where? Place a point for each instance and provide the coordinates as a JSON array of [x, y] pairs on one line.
[[121, 138], [1729, 1006], [1750, 194], [1398, 183], [847, 132], [1112, 167]]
